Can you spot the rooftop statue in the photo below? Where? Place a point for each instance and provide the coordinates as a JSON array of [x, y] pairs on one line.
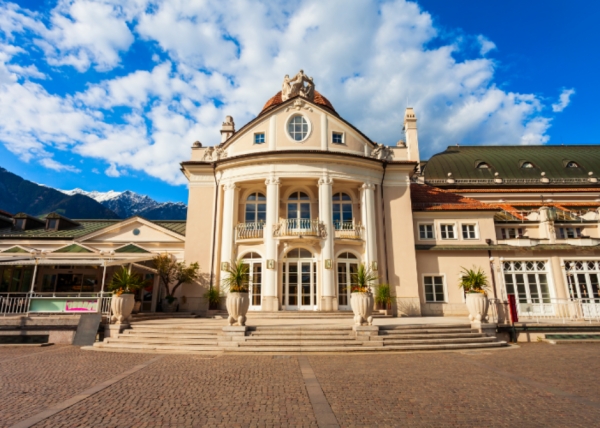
[[295, 86]]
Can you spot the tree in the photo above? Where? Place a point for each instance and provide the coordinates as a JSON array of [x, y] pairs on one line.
[[173, 273]]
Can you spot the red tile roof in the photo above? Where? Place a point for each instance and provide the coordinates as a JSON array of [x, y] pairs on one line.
[[428, 198], [5, 213], [276, 100]]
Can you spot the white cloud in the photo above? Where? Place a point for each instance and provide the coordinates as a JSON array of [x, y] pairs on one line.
[[563, 100], [486, 45], [222, 58], [57, 166], [112, 171]]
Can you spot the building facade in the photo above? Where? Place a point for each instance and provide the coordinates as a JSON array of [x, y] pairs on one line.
[[303, 198]]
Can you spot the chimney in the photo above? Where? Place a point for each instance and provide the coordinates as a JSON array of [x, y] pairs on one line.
[[410, 133], [228, 129]]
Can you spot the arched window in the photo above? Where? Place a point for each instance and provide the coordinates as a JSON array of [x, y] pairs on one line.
[[483, 165], [299, 253], [572, 164], [342, 211], [298, 128], [254, 263], [347, 255], [347, 267], [256, 208], [298, 207], [527, 165]]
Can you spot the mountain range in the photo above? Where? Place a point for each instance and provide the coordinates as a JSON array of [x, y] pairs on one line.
[[20, 195]]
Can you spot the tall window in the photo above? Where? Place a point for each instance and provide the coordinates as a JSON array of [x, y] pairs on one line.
[[342, 211], [447, 231], [298, 128], [298, 209], [256, 208], [426, 231], [568, 232], [434, 288], [347, 266], [527, 280], [254, 263]]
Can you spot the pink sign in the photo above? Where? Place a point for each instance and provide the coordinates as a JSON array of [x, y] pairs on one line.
[[81, 306]]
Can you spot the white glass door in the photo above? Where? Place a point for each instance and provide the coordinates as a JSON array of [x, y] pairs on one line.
[[346, 280], [299, 284]]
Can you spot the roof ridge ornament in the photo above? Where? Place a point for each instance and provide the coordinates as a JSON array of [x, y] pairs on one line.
[[295, 86]]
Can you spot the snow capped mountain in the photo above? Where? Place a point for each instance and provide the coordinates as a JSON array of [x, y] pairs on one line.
[[126, 204]]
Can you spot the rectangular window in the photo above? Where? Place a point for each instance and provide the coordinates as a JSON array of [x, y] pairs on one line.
[[434, 288], [259, 138], [20, 224], [468, 231], [338, 138], [447, 231], [569, 232], [511, 233], [426, 231]]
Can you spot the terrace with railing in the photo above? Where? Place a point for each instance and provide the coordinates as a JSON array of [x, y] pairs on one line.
[[299, 227], [548, 310], [348, 230], [249, 230]]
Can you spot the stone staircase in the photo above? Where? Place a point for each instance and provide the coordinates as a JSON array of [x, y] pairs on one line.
[[191, 335]]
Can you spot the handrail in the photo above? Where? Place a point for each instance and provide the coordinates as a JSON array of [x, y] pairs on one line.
[[347, 230], [249, 230], [549, 309], [299, 227]]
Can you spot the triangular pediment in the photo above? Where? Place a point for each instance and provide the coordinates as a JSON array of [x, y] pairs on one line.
[[134, 230], [130, 249], [17, 249], [75, 248]]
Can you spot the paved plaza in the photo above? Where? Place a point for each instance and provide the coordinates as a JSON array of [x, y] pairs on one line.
[[534, 385]]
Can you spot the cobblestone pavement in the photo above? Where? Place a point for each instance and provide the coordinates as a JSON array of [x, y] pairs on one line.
[[536, 385]]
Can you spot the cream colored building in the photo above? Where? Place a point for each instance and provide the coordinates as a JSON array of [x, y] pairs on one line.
[[304, 198]]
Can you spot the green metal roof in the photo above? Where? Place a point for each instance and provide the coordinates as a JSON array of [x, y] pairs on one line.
[[15, 250], [131, 248], [177, 226], [462, 163], [502, 247], [73, 248], [85, 227]]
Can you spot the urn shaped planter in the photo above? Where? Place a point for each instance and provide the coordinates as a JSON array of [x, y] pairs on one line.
[[237, 307], [477, 304], [169, 307], [121, 307], [362, 306]]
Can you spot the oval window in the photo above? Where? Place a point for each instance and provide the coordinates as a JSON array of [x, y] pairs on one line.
[[298, 128]]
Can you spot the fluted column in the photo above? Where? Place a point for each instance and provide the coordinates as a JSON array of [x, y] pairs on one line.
[[269, 297], [328, 302], [368, 203], [228, 223]]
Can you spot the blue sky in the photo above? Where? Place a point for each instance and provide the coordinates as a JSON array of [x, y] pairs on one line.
[[110, 95]]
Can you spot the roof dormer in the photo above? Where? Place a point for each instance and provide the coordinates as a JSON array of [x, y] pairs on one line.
[[56, 221], [24, 221]]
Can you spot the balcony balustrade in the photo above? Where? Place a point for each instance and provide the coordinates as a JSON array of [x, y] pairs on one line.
[[299, 227], [249, 230], [348, 230]]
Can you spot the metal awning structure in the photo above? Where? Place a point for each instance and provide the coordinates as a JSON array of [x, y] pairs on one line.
[[72, 261]]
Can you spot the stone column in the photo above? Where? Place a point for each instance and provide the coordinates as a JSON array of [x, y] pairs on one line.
[[368, 203], [228, 224], [328, 301], [269, 296]]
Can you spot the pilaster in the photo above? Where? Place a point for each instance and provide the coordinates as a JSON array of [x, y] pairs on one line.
[[229, 201]]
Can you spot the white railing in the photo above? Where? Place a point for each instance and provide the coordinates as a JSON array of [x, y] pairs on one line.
[[299, 227], [547, 309], [105, 305], [249, 230], [348, 230], [14, 304]]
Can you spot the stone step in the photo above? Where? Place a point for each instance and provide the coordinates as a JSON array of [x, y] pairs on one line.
[[423, 326], [174, 330], [431, 336], [423, 331], [148, 347], [174, 335], [301, 342], [300, 337], [387, 342], [324, 333], [163, 340]]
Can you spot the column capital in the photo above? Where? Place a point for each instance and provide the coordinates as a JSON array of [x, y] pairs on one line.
[[230, 186], [325, 181], [273, 180], [368, 186]]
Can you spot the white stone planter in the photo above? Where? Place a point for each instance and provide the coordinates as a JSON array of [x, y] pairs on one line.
[[237, 307], [477, 304], [362, 306], [121, 307], [169, 307]]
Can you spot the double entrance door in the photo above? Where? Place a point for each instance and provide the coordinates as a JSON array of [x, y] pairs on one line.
[[299, 284]]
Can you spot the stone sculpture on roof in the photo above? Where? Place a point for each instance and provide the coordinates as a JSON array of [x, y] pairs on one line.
[[295, 86]]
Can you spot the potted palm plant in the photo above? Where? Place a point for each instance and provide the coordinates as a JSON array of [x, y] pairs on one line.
[[362, 297], [235, 280], [123, 284], [213, 297], [474, 283], [383, 297], [172, 274]]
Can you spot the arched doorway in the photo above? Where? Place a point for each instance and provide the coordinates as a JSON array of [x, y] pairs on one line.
[[299, 280], [347, 266], [254, 262]]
